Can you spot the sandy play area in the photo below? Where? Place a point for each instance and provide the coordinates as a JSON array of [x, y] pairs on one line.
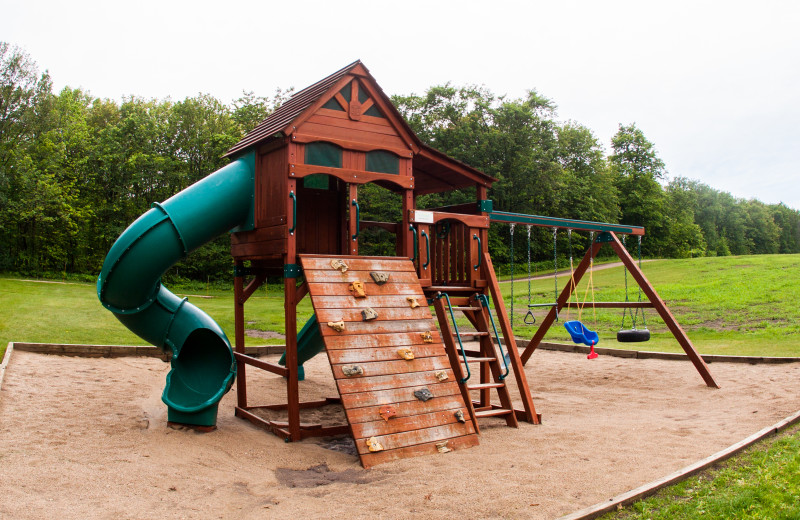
[[87, 438]]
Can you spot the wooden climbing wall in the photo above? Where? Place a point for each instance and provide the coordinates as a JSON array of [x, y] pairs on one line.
[[386, 379]]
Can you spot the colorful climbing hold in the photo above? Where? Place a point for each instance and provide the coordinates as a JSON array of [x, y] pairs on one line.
[[338, 326], [369, 314], [339, 264], [352, 370], [380, 278], [423, 394], [357, 288], [406, 353], [387, 412], [373, 445]]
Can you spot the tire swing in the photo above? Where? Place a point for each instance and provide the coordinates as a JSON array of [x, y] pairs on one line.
[[576, 329], [633, 335]]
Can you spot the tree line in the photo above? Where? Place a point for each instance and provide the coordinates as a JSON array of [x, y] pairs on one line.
[[75, 170]]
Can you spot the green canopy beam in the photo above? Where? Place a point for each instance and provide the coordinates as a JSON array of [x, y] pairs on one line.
[[581, 225]]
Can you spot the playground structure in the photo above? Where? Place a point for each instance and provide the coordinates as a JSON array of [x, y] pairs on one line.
[[290, 198]]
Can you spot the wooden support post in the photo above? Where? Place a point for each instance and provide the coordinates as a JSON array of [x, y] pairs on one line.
[[511, 344], [238, 310], [290, 320], [663, 311], [353, 242], [563, 298], [405, 243]]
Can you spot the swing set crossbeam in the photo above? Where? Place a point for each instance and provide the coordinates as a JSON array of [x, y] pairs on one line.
[[564, 223], [606, 305]]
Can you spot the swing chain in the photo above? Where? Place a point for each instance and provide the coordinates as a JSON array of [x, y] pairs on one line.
[[639, 252], [529, 263], [625, 271], [555, 269], [529, 319], [511, 228], [634, 314]]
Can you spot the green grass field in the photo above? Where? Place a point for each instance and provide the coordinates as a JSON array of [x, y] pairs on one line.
[[761, 483], [744, 305], [728, 305], [44, 311]]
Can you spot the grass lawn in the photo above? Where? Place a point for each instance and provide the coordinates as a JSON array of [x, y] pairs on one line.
[[38, 311], [741, 305], [761, 483], [728, 305]]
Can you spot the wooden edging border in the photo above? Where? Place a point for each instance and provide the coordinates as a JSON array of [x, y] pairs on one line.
[[108, 351], [4, 364], [650, 488], [670, 356]]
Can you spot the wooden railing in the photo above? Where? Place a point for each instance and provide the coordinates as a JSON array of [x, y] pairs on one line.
[[450, 247]]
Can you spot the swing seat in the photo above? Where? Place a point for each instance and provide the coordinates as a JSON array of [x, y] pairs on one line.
[[633, 335], [580, 334]]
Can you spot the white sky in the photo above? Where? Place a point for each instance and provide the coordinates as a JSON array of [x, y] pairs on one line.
[[713, 84]]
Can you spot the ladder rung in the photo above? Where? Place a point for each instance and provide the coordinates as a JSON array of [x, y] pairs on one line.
[[466, 308], [481, 386], [493, 412], [473, 333], [481, 359]]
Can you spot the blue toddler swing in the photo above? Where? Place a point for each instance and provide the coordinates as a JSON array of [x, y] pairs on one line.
[[576, 329]]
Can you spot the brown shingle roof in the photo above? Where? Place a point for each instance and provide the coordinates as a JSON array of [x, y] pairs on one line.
[[288, 111]]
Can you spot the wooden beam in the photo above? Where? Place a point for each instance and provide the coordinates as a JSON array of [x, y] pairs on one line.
[[610, 305], [349, 175], [663, 311], [263, 365], [511, 344], [252, 287]]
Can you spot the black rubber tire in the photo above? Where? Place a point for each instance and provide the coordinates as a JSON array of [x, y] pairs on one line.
[[633, 335]]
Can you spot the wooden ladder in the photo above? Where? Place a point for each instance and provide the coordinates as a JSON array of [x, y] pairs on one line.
[[492, 363]]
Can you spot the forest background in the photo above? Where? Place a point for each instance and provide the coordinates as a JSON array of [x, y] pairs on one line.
[[75, 170]]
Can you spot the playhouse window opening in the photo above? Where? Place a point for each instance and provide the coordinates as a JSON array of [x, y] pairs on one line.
[[321, 153], [380, 161]]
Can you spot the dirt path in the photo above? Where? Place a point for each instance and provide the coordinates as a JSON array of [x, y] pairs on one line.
[[87, 438]]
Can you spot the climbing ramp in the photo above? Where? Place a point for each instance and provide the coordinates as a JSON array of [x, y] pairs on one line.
[[397, 387]]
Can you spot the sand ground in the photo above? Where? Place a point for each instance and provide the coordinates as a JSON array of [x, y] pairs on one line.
[[87, 438]]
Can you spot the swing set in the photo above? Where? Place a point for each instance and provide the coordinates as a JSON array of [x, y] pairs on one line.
[[600, 234]]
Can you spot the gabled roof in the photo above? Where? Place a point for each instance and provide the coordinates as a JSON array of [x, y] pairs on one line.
[[434, 171], [289, 111]]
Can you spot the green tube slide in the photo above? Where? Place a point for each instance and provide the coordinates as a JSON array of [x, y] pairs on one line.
[[203, 366]]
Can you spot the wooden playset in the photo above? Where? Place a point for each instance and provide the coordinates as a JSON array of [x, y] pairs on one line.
[[312, 155], [408, 387]]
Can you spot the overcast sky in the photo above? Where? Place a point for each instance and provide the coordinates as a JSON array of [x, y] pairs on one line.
[[713, 84]]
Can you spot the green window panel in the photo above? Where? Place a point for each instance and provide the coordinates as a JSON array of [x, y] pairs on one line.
[[345, 92], [318, 181], [320, 153], [333, 105], [380, 161], [373, 111], [362, 96]]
